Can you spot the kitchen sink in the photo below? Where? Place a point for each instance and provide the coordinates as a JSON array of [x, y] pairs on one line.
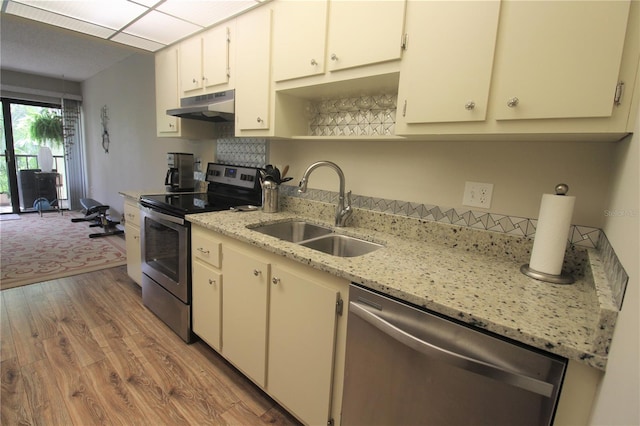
[[341, 245], [294, 231], [318, 237]]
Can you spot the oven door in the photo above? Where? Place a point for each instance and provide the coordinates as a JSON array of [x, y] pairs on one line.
[[165, 252]]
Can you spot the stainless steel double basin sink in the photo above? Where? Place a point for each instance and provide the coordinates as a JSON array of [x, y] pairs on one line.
[[317, 237]]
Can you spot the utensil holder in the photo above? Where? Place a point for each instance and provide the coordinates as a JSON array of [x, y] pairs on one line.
[[270, 197]]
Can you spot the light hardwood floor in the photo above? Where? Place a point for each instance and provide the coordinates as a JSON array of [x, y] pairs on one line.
[[84, 351]]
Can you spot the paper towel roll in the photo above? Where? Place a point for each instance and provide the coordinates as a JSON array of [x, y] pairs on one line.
[[552, 232]]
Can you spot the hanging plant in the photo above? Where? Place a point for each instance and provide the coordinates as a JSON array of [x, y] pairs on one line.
[[46, 128]]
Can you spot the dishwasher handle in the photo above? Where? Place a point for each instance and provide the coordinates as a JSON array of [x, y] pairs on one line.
[[477, 366]]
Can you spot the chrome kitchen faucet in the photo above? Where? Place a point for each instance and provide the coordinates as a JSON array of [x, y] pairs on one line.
[[342, 213]]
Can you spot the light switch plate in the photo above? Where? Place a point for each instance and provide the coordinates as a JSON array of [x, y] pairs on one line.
[[477, 194]]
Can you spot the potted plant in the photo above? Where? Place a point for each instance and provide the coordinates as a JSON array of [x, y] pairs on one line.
[[46, 129]]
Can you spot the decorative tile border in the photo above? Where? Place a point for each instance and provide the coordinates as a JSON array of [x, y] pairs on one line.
[[582, 236]]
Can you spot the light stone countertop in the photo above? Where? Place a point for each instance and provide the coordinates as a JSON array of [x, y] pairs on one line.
[[470, 275]]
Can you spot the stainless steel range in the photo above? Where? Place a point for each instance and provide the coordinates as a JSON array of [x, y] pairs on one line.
[[166, 239]]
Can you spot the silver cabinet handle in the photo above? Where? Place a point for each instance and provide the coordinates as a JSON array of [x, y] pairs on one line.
[[203, 251], [469, 105], [275, 280], [195, 81], [334, 57], [256, 272], [211, 282], [313, 62], [459, 360], [259, 120], [513, 102]]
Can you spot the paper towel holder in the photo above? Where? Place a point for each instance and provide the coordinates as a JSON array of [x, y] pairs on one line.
[[563, 278]]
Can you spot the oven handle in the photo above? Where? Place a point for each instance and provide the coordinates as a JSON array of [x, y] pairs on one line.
[[161, 216]]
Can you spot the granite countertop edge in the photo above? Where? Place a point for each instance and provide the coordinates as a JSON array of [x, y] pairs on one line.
[[575, 322]]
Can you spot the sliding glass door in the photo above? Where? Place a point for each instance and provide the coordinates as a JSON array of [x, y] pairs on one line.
[[27, 127]]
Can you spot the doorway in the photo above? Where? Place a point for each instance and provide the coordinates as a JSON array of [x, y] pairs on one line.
[[22, 182]]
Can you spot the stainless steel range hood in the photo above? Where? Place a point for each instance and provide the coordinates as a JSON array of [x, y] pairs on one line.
[[218, 107]]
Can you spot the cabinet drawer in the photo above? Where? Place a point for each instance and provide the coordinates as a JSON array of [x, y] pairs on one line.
[[132, 214], [205, 247]]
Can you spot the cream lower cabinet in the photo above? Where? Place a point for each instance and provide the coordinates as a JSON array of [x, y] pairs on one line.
[[302, 335], [132, 241], [244, 312], [206, 287], [279, 322]]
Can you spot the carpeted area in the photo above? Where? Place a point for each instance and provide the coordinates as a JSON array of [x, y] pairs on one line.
[[41, 248]]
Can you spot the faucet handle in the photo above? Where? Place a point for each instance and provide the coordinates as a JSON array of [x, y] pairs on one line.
[[349, 199]]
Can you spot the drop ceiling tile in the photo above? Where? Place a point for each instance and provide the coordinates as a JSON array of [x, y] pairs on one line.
[[205, 12], [111, 14], [50, 18], [138, 42], [162, 28]]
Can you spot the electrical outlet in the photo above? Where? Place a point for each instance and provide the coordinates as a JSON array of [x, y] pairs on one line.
[[477, 194]]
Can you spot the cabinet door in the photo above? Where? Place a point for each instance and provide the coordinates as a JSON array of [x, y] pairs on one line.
[[558, 59], [244, 317], [363, 32], [207, 304], [134, 253], [302, 333], [446, 71], [253, 70], [215, 57], [299, 37], [191, 65], [166, 90]]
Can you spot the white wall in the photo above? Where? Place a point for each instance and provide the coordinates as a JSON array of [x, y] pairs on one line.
[[435, 172], [137, 157], [619, 394]]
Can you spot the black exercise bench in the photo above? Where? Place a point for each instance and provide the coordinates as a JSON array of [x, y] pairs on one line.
[[97, 212]]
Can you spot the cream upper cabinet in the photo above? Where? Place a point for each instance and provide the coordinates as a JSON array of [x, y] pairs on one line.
[[166, 62], [302, 335], [299, 39], [253, 60], [445, 73], [558, 59], [167, 75], [244, 313], [204, 61], [363, 32]]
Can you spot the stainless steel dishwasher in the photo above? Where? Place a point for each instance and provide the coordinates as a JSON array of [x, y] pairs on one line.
[[406, 366]]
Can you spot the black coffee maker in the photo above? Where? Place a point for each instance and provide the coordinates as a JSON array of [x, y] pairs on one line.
[[180, 174]]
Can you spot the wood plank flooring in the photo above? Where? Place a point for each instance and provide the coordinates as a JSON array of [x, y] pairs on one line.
[[84, 350]]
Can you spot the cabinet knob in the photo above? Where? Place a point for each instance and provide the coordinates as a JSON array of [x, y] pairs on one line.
[[513, 102], [334, 57], [259, 120], [203, 251], [469, 105], [135, 237], [314, 62], [211, 282], [204, 78], [195, 81], [275, 280], [256, 272]]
